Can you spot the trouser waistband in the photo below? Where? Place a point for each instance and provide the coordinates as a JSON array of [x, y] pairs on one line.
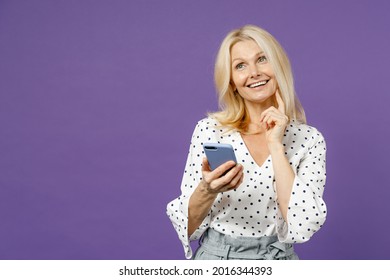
[[254, 248]]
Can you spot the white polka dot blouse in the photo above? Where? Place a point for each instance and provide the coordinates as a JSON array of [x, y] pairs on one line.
[[252, 208]]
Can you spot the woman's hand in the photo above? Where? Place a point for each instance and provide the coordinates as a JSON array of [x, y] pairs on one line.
[[275, 121], [215, 182]]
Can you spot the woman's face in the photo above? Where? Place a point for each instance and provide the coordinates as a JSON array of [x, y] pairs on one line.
[[252, 74]]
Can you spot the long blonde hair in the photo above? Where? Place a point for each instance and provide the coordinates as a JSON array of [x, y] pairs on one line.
[[233, 112]]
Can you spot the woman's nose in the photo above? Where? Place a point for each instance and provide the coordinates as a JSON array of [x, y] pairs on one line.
[[255, 71]]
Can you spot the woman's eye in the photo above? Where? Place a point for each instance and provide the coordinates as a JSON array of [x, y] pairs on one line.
[[262, 58], [239, 66]]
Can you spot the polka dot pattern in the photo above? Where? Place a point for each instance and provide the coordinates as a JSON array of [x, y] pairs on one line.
[[252, 209]]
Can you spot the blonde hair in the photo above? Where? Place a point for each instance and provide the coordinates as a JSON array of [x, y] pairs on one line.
[[232, 112]]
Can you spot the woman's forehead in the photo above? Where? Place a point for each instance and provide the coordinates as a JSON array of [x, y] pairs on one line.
[[245, 49]]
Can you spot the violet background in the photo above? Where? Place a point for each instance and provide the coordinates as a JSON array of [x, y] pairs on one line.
[[98, 101]]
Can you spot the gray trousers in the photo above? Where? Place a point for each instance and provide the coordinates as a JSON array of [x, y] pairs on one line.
[[218, 246]]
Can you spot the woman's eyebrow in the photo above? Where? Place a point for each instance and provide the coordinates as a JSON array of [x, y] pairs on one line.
[[239, 58]]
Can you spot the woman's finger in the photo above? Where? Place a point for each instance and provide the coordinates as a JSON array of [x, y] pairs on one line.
[[205, 165], [276, 117], [266, 112], [234, 183], [279, 100], [236, 179], [220, 170], [271, 117], [226, 179]]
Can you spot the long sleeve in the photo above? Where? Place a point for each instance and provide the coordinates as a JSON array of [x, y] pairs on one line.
[[307, 210], [177, 210]]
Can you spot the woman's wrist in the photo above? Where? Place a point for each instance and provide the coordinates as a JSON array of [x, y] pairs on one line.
[[204, 193], [275, 147]]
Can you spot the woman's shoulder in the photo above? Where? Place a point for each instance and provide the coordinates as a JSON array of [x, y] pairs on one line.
[[208, 122], [212, 124], [298, 126], [210, 128], [303, 131]]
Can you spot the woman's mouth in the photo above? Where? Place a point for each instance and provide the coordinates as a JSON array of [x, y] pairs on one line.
[[258, 84]]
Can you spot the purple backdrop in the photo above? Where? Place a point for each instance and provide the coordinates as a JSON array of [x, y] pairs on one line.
[[98, 100]]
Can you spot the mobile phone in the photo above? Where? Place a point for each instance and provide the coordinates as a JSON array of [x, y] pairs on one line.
[[218, 154]]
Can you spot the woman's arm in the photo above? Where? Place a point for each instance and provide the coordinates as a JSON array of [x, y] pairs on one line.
[[284, 177], [198, 207], [212, 183], [275, 122]]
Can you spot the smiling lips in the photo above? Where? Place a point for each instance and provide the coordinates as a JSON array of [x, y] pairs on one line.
[[258, 84]]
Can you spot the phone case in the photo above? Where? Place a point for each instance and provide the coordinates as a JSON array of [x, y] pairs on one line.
[[218, 154]]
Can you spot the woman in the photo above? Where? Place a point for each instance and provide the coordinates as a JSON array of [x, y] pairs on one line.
[[272, 197]]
